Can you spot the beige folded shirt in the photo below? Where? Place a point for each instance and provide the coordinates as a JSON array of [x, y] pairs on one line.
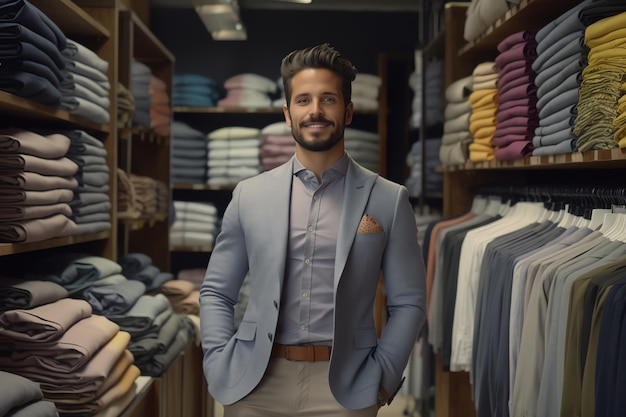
[[96, 377], [45, 323], [16, 140], [36, 182], [16, 163], [74, 349], [36, 230]]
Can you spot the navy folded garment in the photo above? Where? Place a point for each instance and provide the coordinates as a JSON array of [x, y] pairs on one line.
[[15, 32], [29, 52], [30, 86], [25, 13]]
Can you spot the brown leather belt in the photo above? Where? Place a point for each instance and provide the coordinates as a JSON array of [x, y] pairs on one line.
[[309, 353]]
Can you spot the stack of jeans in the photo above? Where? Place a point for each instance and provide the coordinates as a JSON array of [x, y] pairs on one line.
[[30, 53]]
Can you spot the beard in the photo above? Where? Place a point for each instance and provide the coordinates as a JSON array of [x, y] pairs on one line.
[[318, 142]]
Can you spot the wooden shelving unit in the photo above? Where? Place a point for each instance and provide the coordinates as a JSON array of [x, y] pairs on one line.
[[233, 110], [528, 14], [141, 151], [117, 35], [604, 158], [453, 391]]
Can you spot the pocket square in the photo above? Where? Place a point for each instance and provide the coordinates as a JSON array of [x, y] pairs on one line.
[[369, 225]]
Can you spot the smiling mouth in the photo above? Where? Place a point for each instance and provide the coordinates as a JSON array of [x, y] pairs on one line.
[[316, 125]]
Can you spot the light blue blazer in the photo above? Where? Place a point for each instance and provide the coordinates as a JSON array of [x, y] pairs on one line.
[[253, 238]]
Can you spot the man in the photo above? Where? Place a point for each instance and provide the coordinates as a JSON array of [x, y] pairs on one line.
[[314, 235]]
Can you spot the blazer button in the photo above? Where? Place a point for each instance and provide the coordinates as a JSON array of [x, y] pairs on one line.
[[270, 336], [275, 304]]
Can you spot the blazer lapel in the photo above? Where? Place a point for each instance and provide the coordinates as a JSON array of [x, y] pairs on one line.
[[278, 204], [358, 186]]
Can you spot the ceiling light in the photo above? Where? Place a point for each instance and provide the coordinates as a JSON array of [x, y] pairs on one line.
[[298, 1], [221, 18]]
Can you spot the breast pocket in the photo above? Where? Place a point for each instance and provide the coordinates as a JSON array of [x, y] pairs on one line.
[[366, 253], [369, 241]]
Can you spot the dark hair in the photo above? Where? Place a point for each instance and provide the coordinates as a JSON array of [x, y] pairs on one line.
[[320, 56]]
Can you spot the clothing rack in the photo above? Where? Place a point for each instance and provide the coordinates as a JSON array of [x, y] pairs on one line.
[[580, 200]]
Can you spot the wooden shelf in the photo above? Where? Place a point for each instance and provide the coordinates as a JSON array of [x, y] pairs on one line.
[[453, 394], [143, 385], [142, 135], [233, 110], [32, 111], [139, 222], [435, 47], [13, 248], [528, 14], [141, 151], [577, 160], [98, 25], [200, 187], [72, 20], [245, 110], [147, 47]]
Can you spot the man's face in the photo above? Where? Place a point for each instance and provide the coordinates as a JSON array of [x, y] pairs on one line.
[[317, 114]]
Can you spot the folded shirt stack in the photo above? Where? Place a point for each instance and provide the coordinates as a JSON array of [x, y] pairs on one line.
[[456, 137], [160, 107], [37, 183], [233, 155], [276, 145], [516, 117], [188, 155], [365, 91], [558, 67], [85, 89], [195, 90], [31, 53], [140, 76], [433, 91], [91, 205], [484, 103], [196, 224], [248, 90], [363, 146]]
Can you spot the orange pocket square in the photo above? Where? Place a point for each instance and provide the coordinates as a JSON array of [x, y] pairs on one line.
[[369, 225]]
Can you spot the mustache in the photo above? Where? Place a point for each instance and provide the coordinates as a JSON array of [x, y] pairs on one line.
[[316, 120]]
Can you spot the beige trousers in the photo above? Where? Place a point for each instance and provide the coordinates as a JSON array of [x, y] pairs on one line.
[[294, 389]]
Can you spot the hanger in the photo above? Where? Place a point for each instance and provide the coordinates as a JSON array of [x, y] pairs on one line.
[[479, 203]]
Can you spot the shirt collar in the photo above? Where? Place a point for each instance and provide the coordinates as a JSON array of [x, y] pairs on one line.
[[338, 169]]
